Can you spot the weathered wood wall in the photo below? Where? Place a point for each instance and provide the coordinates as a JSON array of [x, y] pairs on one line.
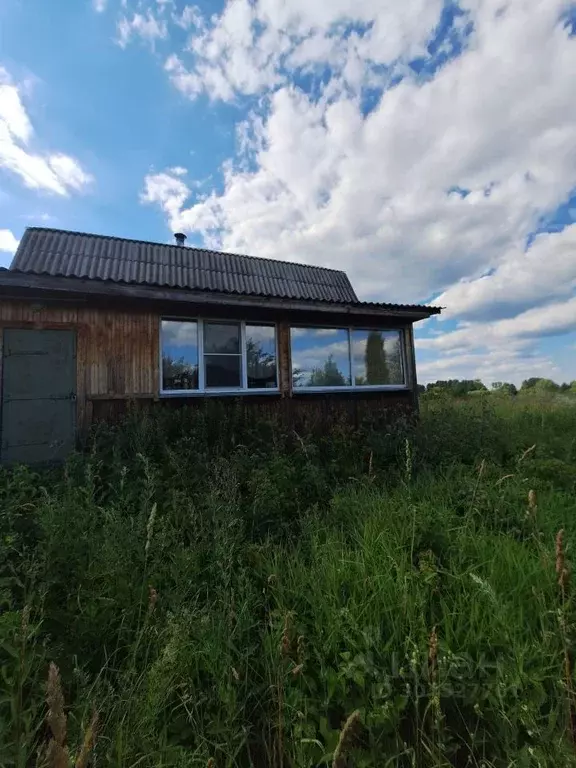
[[117, 353], [118, 360], [306, 412]]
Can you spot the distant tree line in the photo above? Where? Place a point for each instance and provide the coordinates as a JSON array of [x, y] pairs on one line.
[[463, 387]]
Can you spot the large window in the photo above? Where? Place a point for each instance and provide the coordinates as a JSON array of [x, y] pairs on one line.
[[179, 355], [324, 358], [377, 358], [217, 356], [320, 357]]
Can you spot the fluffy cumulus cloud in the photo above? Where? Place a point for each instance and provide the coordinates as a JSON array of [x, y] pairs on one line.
[[8, 242], [416, 145], [48, 171], [168, 190]]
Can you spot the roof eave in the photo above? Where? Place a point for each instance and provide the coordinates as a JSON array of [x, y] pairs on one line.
[[90, 288]]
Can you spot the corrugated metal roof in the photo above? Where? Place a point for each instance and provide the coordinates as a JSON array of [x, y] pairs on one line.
[[399, 307], [74, 254]]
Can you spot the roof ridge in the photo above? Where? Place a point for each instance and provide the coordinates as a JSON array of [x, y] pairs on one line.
[[185, 247]]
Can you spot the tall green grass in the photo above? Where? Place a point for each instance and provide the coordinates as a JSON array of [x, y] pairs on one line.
[[222, 590]]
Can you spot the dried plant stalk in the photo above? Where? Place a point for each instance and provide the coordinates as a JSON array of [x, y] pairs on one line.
[[433, 654], [348, 735], [56, 753], [563, 579], [285, 643], [88, 743]]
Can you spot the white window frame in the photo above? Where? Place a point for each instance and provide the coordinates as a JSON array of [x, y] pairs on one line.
[[352, 387], [202, 391]]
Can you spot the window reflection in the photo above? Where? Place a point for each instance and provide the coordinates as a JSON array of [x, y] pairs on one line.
[[222, 358], [223, 371], [320, 357], [222, 338], [377, 358], [261, 356], [179, 355]]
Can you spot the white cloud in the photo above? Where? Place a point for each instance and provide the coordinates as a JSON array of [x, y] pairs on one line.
[[147, 27], [166, 190], [489, 366], [318, 178], [547, 270], [249, 44], [8, 243], [189, 17], [553, 319], [186, 82], [53, 172], [502, 349], [69, 171], [99, 5], [12, 113], [362, 192]]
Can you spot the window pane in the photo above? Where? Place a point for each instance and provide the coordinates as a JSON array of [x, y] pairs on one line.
[[320, 357], [377, 358], [222, 371], [222, 338], [261, 356], [179, 355]]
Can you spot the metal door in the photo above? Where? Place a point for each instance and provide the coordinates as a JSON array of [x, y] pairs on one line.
[[38, 395]]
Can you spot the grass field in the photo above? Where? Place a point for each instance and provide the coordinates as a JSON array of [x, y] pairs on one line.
[[222, 594]]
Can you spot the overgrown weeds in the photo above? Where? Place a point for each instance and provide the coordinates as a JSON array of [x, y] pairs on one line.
[[226, 593]]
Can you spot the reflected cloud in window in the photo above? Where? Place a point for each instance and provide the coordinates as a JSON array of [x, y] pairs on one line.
[[179, 355], [320, 357]]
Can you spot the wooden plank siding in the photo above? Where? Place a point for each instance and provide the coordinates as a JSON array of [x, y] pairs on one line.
[[116, 352], [118, 361]]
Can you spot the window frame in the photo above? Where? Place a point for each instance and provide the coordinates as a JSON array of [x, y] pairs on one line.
[[356, 387], [202, 390]]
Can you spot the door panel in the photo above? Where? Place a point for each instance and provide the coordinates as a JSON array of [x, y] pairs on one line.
[[38, 395]]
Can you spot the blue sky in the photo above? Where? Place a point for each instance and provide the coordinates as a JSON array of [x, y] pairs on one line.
[[428, 148]]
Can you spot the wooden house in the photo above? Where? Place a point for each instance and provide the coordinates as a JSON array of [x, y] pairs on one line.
[[89, 323]]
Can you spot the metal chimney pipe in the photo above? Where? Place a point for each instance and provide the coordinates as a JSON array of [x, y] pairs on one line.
[[180, 238]]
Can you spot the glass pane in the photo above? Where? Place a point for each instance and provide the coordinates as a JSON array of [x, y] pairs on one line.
[[320, 357], [222, 338], [377, 358], [261, 356], [222, 371], [179, 354]]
